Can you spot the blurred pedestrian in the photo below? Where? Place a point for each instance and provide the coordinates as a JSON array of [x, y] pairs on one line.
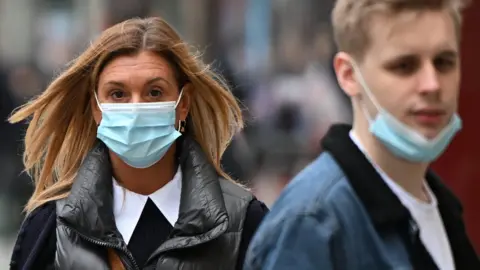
[[369, 201], [125, 150]]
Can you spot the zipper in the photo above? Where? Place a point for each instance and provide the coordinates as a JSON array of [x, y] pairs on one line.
[[130, 261]]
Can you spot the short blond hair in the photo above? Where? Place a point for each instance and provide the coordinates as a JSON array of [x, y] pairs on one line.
[[351, 18]]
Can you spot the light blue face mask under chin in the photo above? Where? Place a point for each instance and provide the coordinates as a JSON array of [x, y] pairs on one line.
[[400, 139], [138, 133], [408, 144]]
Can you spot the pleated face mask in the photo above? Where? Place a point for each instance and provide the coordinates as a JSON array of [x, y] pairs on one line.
[[139, 133], [402, 140]]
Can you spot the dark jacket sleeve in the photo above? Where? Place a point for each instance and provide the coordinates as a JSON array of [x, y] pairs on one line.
[[36, 240], [255, 213]]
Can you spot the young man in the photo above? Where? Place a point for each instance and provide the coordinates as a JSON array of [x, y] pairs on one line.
[[370, 201]]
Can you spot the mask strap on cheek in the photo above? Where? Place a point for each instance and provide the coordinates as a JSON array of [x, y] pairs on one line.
[[179, 98], [367, 90], [366, 113], [364, 85]]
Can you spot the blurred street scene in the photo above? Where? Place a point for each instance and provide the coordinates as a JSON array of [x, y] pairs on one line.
[[276, 54]]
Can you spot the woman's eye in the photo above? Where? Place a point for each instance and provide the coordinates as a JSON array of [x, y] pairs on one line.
[[155, 93], [117, 94]]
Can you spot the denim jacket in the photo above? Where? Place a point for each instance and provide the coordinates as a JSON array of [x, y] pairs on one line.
[[339, 214]]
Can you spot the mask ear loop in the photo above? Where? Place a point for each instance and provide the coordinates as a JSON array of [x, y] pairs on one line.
[[179, 98], [365, 87], [181, 123], [98, 102]]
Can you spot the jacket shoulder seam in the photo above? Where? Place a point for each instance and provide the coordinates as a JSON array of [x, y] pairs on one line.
[[243, 194]]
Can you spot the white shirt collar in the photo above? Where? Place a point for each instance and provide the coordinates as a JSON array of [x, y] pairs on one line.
[[128, 205]]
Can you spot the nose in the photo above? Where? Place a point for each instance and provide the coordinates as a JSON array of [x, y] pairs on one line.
[[429, 80], [136, 98]]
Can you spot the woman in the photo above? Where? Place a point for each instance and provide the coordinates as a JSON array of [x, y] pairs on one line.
[[125, 150]]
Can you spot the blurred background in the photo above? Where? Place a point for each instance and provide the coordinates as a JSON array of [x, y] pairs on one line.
[[276, 54]]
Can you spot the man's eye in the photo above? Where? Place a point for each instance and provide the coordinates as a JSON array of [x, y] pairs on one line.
[[444, 64], [405, 68]]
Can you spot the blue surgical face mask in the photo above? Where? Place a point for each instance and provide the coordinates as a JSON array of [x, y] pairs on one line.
[[139, 133], [402, 140]]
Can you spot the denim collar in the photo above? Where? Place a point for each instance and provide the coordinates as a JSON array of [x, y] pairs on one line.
[[382, 205]]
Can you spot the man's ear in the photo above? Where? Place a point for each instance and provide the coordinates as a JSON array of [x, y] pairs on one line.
[[343, 65]]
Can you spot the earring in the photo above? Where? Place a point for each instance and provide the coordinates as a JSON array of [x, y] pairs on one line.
[[181, 125]]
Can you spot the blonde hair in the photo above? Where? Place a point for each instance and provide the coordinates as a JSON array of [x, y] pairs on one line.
[[62, 129], [351, 18]]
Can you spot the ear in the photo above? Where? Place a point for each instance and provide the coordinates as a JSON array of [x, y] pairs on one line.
[[183, 106], [343, 66], [96, 112]]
